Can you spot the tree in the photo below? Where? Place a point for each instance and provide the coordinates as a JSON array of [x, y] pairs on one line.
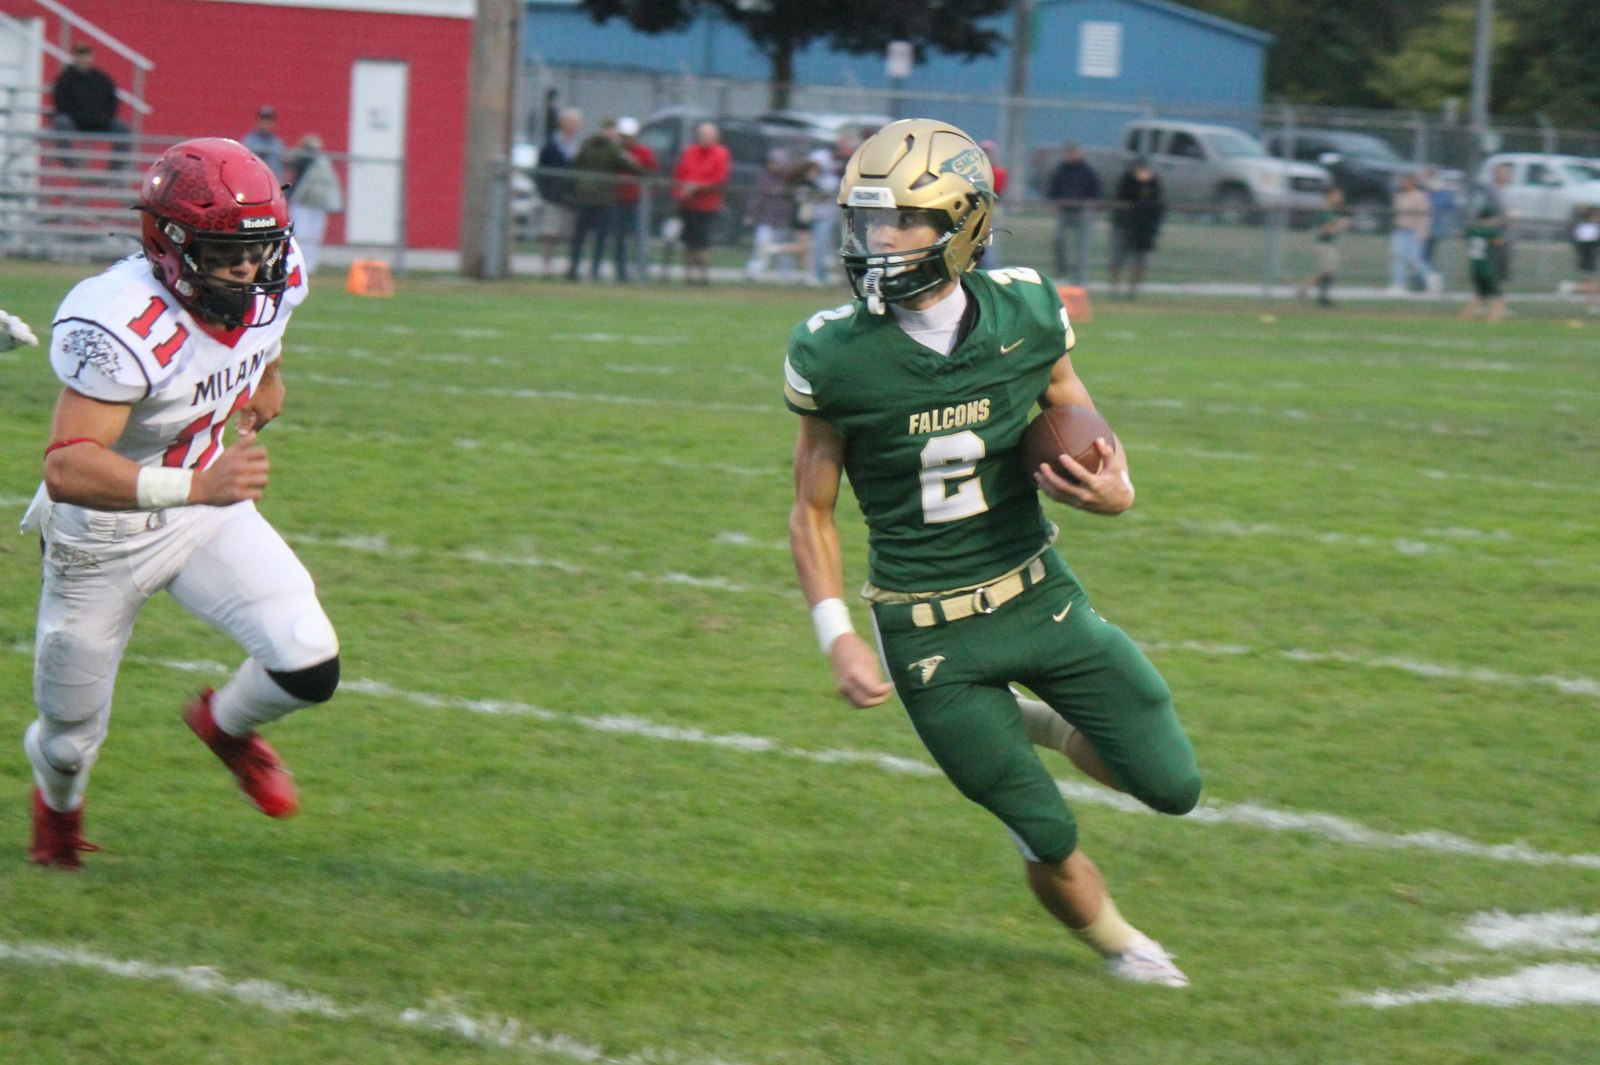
[[1434, 61], [1549, 67], [780, 28]]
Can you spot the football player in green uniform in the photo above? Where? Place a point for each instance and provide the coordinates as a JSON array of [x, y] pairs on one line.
[[919, 391]]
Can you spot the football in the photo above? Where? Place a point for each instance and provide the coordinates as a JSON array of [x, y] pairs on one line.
[[1065, 430]]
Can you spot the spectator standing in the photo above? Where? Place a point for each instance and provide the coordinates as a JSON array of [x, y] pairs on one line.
[[264, 140], [1482, 237], [698, 182], [825, 208], [771, 211], [314, 194], [1330, 226], [628, 230], [1443, 219], [808, 200], [596, 173], [1074, 186], [85, 101], [1135, 224], [1411, 225], [1586, 245], [558, 153]]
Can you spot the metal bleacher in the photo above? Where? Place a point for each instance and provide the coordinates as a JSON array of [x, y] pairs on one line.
[[65, 195]]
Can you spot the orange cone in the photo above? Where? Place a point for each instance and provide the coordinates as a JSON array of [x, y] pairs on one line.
[[1076, 301], [370, 277]]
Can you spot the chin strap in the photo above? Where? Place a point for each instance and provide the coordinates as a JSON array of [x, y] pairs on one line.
[[872, 291]]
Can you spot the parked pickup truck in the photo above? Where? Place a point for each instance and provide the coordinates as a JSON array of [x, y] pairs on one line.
[[1219, 167], [1544, 193]]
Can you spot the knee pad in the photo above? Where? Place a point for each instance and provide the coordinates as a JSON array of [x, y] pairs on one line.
[[314, 684]]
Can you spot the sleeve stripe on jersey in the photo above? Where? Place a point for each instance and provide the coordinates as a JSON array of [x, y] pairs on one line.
[[797, 388], [148, 386], [1072, 339], [799, 399]]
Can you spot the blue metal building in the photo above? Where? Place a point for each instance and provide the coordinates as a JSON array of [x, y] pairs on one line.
[[1102, 56]]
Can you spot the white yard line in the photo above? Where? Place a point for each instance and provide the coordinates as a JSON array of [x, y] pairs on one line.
[[1329, 827], [1534, 985], [505, 1033], [1498, 933]]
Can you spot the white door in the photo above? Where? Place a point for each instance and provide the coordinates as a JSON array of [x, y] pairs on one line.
[[377, 149]]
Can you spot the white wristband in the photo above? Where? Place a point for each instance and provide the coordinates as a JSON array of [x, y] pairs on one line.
[[160, 488], [832, 619]]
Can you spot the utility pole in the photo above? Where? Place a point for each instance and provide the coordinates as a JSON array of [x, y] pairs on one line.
[[1014, 144], [485, 193], [1482, 135], [1481, 44]]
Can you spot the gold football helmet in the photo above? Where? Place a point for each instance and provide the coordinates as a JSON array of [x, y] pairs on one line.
[[911, 173]]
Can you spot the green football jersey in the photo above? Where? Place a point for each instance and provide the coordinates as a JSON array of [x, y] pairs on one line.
[[1480, 241], [930, 440]]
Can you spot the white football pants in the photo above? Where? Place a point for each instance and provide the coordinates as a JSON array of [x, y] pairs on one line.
[[224, 564]]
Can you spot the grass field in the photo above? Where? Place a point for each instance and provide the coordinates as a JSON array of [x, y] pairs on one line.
[[587, 795]]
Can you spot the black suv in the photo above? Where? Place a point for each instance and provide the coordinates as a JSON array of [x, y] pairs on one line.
[[1364, 166]]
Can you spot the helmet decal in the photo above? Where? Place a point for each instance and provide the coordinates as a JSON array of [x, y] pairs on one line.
[[970, 164]]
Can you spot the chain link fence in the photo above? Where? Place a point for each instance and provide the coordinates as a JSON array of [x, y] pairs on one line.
[[1268, 251]]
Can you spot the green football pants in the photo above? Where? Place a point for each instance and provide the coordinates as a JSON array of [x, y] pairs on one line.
[[954, 677]]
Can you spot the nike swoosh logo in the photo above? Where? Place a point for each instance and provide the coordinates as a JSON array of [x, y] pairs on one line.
[[1064, 612], [1007, 349]]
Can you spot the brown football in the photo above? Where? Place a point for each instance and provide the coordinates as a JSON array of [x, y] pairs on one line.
[[1065, 430]]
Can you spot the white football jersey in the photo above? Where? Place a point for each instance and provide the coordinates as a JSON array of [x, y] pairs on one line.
[[122, 337]]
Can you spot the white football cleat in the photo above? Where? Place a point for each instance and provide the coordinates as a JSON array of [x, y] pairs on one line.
[[1144, 961]]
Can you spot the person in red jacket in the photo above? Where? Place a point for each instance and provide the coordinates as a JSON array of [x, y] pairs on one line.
[[697, 185]]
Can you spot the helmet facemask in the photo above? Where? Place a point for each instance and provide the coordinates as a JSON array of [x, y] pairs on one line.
[[882, 266], [232, 302]]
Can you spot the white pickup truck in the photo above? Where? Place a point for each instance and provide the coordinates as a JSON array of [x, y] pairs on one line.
[[1219, 168], [1543, 193]]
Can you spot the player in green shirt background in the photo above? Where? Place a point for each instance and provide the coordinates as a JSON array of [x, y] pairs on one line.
[[920, 391], [1484, 236]]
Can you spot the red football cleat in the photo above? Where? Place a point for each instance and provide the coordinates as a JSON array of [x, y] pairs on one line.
[[57, 837], [253, 762]]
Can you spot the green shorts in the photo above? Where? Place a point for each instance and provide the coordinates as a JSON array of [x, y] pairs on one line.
[[954, 677], [1485, 281]]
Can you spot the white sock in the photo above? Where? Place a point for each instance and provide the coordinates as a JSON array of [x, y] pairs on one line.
[[250, 699], [1045, 727], [63, 792], [1109, 933]]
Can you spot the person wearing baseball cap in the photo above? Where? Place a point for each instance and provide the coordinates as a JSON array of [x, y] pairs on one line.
[[630, 225], [264, 139]]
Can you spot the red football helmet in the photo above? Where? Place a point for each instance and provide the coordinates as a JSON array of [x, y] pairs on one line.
[[208, 203]]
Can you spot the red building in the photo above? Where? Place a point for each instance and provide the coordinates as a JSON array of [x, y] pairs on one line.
[[381, 79]]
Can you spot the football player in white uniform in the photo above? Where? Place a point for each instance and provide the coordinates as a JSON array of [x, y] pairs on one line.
[[156, 355]]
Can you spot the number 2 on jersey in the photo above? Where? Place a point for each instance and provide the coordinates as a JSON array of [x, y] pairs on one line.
[[952, 461]]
